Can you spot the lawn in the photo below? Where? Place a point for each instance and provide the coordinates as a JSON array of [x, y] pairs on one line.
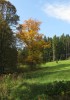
[[32, 85]]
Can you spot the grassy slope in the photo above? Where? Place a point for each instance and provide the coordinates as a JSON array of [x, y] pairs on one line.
[[51, 71], [31, 85]]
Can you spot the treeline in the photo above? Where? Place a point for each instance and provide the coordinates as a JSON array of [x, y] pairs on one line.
[[59, 50]]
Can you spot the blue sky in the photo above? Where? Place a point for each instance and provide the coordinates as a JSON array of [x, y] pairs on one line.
[[54, 14]]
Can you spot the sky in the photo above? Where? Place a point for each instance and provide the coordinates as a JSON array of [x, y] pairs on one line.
[[54, 14]]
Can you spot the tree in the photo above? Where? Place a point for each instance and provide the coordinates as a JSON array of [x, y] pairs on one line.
[[67, 46], [8, 12], [33, 41], [63, 46], [47, 52], [8, 52], [54, 47]]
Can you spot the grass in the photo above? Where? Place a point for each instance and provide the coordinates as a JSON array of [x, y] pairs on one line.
[[50, 72], [32, 85]]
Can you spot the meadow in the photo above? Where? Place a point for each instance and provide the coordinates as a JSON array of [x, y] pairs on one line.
[[31, 85]]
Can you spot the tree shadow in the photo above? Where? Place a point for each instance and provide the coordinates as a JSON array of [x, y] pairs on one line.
[[31, 92], [58, 66], [46, 71], [35, 92]]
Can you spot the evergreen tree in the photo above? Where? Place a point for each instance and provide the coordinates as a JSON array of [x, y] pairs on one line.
[[8, 52]]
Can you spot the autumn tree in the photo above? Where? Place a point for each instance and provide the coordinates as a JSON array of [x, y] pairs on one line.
[[33, 42]]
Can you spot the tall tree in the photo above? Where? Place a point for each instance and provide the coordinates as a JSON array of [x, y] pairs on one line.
[[54, 47], [63, 46], [8, 12], [67, 46], [47, 52], [8, 52], [33, 41]]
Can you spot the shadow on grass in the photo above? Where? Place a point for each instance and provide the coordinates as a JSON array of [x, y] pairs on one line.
[[58, 66], [30, 92], [34, 92], [46, 71]]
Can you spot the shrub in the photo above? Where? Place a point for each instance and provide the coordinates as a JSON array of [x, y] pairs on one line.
[[58, 90]]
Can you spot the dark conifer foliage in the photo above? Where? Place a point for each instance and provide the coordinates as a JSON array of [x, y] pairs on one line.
[[60, 48]]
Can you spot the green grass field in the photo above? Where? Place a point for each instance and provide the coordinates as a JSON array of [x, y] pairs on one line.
[[31, 85]]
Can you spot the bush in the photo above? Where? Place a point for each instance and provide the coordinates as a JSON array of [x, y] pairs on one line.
[[58, 90]]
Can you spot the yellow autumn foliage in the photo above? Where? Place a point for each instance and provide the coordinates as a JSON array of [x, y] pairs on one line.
[[33, 40]]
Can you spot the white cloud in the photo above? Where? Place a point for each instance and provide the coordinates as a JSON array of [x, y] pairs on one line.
[[59, 11]]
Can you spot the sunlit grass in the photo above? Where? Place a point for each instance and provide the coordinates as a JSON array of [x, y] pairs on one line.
[[51, 71]]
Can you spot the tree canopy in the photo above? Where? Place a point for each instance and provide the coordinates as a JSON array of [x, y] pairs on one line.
[[8, 12], [8, 52], [32, 40]]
